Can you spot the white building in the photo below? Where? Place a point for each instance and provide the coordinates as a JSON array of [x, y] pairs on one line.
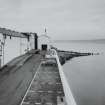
[[44, 39], [13, 46]]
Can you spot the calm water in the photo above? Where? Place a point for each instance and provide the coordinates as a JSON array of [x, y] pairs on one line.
[[86, 75]]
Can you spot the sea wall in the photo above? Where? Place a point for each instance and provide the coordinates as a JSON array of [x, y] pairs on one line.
[[67, 55]]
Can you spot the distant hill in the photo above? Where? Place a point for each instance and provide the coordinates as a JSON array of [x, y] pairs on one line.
[[81, 41]]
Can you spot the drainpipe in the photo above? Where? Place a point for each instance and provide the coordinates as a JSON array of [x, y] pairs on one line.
[[35, 41]]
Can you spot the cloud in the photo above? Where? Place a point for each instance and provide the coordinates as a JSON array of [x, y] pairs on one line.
[[73, 18]]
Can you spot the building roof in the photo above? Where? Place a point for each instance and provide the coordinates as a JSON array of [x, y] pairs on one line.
[[12, 33]]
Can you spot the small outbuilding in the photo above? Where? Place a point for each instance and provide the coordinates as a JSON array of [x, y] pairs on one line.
[[43, 42]]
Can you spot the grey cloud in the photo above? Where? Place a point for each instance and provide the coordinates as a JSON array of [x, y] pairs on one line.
[[74, 18]]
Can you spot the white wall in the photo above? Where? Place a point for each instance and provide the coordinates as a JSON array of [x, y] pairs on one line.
[[12, 47], [43, 40]]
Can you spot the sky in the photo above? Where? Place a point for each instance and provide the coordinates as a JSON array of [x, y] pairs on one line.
[[63, 19]]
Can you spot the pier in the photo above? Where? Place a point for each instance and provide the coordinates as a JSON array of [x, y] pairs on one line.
[[32, 80], [46, 87], [36, 77]]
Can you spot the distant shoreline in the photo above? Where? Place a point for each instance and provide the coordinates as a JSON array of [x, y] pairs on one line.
[[99, 41]]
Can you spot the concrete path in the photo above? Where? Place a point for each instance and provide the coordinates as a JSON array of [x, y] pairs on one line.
[[46, 86], [15, 79]]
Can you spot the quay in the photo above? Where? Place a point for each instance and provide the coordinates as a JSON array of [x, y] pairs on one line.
[[46, 87], [35, 82], [32, 80], [36, 77]]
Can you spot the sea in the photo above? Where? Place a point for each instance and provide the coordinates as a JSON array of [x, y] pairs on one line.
[[86, 75]]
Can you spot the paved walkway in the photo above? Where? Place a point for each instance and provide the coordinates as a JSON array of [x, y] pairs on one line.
[[46, 87], [16, 77]]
